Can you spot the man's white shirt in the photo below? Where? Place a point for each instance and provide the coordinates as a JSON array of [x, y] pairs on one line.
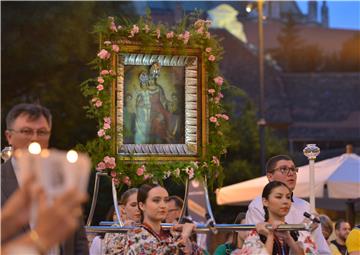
[[256, 214]]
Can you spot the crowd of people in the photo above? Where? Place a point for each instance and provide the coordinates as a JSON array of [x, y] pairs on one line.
[[57, 227]]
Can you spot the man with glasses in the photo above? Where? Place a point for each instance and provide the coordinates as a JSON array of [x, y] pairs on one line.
[[175, 205], [27, 123], [282, 168]]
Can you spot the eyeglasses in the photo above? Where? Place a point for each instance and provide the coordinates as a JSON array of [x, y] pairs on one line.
[[28, 132], [286, 170]]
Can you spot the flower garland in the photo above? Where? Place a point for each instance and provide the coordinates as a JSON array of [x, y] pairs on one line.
[[98, 90]]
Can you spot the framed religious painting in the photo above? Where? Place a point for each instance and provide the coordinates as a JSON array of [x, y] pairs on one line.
[[159, 104]]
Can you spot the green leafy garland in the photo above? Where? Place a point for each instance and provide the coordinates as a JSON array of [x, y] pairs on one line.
[[113, 37]]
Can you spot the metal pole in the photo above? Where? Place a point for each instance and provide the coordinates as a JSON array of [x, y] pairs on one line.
[[311, 151], [261, 123], [94, 198], [202, 228]]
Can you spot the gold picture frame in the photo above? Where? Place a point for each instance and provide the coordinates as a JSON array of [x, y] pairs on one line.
[[159, 104]]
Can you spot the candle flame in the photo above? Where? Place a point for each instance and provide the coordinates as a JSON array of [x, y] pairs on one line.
[[72, 156], [34, 148]]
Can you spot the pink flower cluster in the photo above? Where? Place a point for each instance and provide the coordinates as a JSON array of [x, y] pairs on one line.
[[184, 37], [222, 116], [115, 48], [104, 54], [108, 162], [102, 131], [219, 80], [97, 102], [106, 72], [135, 30]]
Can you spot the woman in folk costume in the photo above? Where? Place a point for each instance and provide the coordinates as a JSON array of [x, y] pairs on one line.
[[114, 243], [276, 198], [151, 238]]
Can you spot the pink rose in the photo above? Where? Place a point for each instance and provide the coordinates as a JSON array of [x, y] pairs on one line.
[[98, 103], [107, 120], [104, 54], [106, 126], [216, 100], [213, 119], [225, 117], [147, 176], [134, 30], [100, 80], [211, 58], [220, 95], [140, 171], [100, 166], [110, 162], [104, 72], [170, 35], [113, 174], [107, 137], [107, 42], [211, 91], [115, 48], [111, 72], [208, 49], [101, 133], [100, 87], [219, 80]]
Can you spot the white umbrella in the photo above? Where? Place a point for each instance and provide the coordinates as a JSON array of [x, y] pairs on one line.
[[341, 176]]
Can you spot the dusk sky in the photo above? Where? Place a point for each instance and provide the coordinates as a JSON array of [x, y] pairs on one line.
[[342, 14]]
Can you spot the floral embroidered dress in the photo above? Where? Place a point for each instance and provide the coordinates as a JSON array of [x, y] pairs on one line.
[[254, 245], [114, 243], [143, 241]]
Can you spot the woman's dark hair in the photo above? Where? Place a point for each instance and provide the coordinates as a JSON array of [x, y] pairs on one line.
[[125, 196], [267, 191], [143, 194]]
